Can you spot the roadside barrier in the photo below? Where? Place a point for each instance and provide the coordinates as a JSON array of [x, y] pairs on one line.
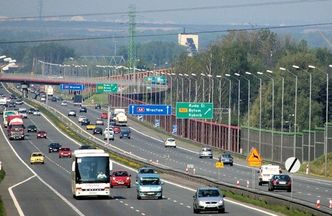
[[330, 206], [0, 165], [238, 183], [248, 183]]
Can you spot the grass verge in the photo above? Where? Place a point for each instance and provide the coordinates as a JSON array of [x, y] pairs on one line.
[[2, 208], [317, 167]]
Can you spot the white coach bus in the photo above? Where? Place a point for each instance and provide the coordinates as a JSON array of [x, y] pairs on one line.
[[91, 173]]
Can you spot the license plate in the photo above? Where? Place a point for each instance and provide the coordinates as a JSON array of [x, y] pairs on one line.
[[120, 182], [282, 183]]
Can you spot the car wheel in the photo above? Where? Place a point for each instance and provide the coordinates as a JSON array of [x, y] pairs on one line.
[[289, 190], [128, 137], [271, 189], [138, 197], [128, 186], [221, 211], [260, 183], [161, 196], [111, 186], [231, 164], [196, 211], [211, 157]]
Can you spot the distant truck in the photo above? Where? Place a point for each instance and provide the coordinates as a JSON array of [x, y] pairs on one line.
[[15, 130], [266, 172], [120, 117], [7, 113], [49, 90], [78, 100], [3, 101]]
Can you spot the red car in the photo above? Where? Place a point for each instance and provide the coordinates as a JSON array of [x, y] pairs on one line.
[[116, 129], [41, 134], [103, 115], [120, 178], [64, 152]]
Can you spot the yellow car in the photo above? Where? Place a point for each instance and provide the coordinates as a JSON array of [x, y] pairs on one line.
[[37, 157], [90, 126]]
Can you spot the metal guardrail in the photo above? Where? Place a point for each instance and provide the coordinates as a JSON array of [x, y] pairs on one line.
[[246, 192]]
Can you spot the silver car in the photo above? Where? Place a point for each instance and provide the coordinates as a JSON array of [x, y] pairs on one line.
[[206, 152], [208, 199]]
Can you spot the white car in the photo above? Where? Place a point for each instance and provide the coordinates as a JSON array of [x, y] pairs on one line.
[[99, 122], [72, 113], [206, 152], [43, 99], [23, 112], [81, 118], [170, 142], [64, 103], [109, 134], [36, 112]]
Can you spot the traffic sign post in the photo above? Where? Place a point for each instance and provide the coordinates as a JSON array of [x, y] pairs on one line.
[[186, 110], [106, 88], [174, 129], [148, 109], [292, 165], [254, 159]]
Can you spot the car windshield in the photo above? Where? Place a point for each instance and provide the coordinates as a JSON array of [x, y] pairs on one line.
[[55, 144], [65, 149], [37, 155], [120, 174], [227, 156], [170, 139], [281, 177], [146, 170], [208, 193], [150, 181]]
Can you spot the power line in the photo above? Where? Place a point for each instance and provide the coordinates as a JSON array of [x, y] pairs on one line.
[[165, 34], [215, 7]]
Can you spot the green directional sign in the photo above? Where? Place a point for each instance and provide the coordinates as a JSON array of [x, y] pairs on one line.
[[185, 110], [106, 88]]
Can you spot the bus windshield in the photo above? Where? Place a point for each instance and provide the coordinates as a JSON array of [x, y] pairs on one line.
[[92, 169]]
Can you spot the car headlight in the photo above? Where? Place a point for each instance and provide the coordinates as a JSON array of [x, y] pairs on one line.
[[201, 203], [220, 202]]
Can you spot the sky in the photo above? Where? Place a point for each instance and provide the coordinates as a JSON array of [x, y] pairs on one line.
[[281, 12]]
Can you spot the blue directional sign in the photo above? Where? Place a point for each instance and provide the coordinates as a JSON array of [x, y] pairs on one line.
[[75, 87], [149, 109]]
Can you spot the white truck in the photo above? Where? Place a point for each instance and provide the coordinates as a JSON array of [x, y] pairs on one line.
[[49, 90], [266, 172], [120, 117]]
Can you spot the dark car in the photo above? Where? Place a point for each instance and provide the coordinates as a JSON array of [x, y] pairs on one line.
[[19, 102], [125, 132], [98, 106], [32, 128], [11, 105], [54, 147], [41, 134], [85, 121], [83, 109], [54, 99], [226, 158], [280, 182], [98, 130], [31, 110]]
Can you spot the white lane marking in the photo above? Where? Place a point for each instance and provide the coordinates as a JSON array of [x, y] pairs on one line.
[[40, 179], [174, 184], [10, 189]]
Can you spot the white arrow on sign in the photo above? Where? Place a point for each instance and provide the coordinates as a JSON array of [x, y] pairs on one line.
[[292, 164]]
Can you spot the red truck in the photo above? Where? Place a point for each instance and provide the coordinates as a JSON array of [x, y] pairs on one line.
[[15, 129]]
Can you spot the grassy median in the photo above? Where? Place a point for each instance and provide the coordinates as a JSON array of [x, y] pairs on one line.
[[2, 209]]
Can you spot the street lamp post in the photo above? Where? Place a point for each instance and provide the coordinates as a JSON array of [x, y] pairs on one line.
[[272, 110], [309, 124], [238, 109], [248, 112], [326, 114], [203, 89], [260, 111], [229, 112], [282, 112]]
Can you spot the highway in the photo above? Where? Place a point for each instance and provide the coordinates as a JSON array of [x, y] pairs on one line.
[[304, 188], [47, 190]]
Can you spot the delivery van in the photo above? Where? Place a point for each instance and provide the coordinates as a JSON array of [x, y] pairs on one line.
[[266, 172]]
